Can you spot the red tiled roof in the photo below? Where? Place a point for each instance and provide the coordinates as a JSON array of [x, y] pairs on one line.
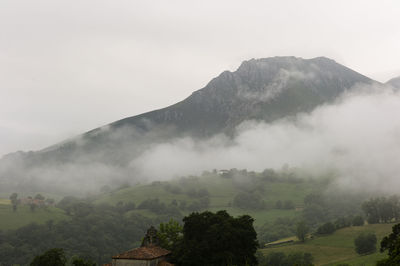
[[143, 253]]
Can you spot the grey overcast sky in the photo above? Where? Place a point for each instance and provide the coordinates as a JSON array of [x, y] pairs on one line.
[[68, 66]]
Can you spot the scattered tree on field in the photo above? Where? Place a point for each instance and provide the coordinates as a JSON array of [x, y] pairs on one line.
[[365, 243], [301, 231], [39, 197], [326, 228], [14, 201]]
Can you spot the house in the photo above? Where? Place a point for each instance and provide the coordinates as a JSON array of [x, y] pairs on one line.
[[149, 254]]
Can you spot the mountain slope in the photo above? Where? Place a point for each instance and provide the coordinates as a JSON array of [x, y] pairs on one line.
[[263, 89]]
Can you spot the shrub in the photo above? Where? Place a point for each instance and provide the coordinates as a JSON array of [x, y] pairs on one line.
[[288, 205], [326, 228]]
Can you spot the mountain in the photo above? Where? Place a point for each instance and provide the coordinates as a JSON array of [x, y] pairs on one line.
[[260, 89], [395, 82], [264, 89]]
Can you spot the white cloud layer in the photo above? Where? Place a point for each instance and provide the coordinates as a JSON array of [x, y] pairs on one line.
[[358, 136]]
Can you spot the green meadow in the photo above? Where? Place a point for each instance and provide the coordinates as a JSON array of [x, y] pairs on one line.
[[24, 216], [338, 247], [222, 192]]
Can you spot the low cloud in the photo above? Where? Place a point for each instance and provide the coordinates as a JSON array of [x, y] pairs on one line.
[[358, 136], [278, 84]]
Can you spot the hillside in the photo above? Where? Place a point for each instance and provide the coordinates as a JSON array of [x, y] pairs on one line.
[[338, 247], [221, 192], [24, 216]]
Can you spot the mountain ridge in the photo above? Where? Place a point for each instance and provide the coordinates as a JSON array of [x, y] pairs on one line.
[[244, 84]]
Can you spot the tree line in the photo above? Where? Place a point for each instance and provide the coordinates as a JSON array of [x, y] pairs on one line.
[[382, 209]]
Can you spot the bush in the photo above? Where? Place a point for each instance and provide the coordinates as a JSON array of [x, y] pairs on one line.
[[326, 228], [288, 205], [343, 222], [365, 243], [248, 201], [280, 228]]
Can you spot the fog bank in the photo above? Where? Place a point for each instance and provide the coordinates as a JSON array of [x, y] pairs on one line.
[[358, 136]]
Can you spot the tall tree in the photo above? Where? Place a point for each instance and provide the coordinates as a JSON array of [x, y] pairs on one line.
[[391, 243], [14, 201], [39, 197], [170, 234], [301, 231], [217, 239]]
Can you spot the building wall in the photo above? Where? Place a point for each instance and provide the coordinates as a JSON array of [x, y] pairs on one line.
[[126, 262]]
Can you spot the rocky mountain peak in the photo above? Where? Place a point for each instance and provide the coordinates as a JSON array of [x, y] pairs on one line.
[[267, 78]]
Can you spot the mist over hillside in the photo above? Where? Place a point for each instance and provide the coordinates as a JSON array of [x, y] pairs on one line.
[[395, 82], [315, 114]]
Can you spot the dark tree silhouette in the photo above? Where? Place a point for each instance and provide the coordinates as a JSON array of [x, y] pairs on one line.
[[52, 257], [391, 243], [217, 239]]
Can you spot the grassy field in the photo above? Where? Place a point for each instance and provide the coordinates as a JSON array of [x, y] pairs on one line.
[[222, 192], [23, 215], [338, 247]]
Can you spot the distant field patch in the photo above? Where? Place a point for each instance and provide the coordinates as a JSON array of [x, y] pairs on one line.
[[24, 216], [5, 202], [222, 192]]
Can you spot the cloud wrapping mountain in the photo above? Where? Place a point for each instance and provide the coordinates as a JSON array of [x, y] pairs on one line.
[[358, 136]]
